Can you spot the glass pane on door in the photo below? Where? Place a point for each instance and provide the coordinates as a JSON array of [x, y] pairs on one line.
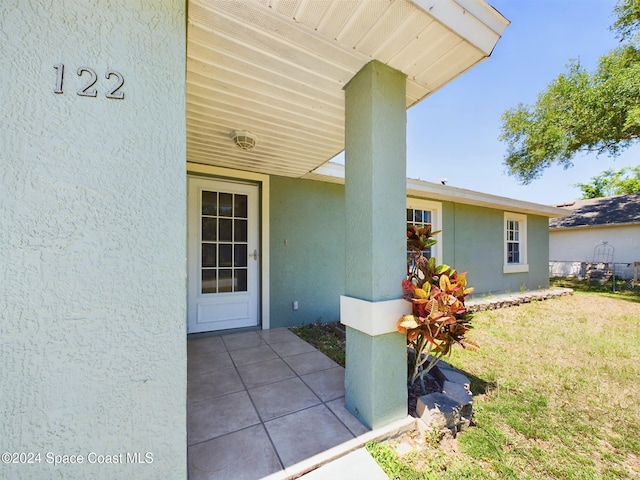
[[224, 242]]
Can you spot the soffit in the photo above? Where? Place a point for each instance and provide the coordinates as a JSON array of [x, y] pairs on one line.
[[278, 67]]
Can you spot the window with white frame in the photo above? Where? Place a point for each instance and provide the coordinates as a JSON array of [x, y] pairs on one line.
[[515, 243], [422, 212]]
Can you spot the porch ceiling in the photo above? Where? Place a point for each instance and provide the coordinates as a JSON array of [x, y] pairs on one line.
[[278, 67]]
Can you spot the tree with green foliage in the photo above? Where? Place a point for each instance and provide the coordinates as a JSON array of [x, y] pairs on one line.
[[610, 182], [580, 111]]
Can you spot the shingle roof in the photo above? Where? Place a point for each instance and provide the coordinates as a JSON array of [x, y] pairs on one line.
[[600, 211]]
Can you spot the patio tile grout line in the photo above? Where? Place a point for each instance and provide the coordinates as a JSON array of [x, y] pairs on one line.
[[322, 402], [331, 410], [309, 387], [264, 427], [225, 434], [246, 390], [262, 422], [278, 381]]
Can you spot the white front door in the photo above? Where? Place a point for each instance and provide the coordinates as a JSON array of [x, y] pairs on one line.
[[223, 250]]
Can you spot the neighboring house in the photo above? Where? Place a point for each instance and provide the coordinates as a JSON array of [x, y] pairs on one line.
[[143, 139], [577, 240]]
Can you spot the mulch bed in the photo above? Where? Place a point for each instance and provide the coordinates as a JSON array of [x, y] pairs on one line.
[[415, 392]]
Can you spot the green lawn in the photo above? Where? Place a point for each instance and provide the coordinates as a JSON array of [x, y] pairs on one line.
[[557, 395], [623, 288], [323, 336]]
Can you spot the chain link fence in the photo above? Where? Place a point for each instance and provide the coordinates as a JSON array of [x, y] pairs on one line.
[[620, 274]]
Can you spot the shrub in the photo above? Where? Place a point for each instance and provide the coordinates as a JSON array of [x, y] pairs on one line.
[[439, 318]]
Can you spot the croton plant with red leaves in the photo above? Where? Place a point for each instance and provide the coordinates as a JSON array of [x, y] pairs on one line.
[[439, 318]]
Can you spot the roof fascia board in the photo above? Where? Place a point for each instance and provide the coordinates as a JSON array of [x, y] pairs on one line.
[[602, 225], [463, 18], [429, 190], [330, 169], [486, 13], [479, 199]]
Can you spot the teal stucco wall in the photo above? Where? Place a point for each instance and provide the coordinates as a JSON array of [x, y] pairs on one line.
[[93, 357], [474, 242], [308, 253], [307, 262], [538, 252]]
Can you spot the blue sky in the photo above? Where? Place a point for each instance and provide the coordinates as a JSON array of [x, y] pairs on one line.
[[454, 133]]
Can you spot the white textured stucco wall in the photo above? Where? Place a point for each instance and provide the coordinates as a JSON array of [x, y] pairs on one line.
[[92, 239], [577, 244]]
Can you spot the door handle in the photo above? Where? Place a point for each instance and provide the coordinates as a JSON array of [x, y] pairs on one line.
[[255, 254]]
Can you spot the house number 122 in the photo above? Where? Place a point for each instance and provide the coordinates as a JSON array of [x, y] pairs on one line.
[[88, 90]]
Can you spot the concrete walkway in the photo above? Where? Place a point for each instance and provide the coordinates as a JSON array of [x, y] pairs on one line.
[[266, 404], [354, 465]]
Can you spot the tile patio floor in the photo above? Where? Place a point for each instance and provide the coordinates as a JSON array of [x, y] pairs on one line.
[[261, 402]]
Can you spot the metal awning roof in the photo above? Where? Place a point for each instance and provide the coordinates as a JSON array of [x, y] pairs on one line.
[[277, 68]]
